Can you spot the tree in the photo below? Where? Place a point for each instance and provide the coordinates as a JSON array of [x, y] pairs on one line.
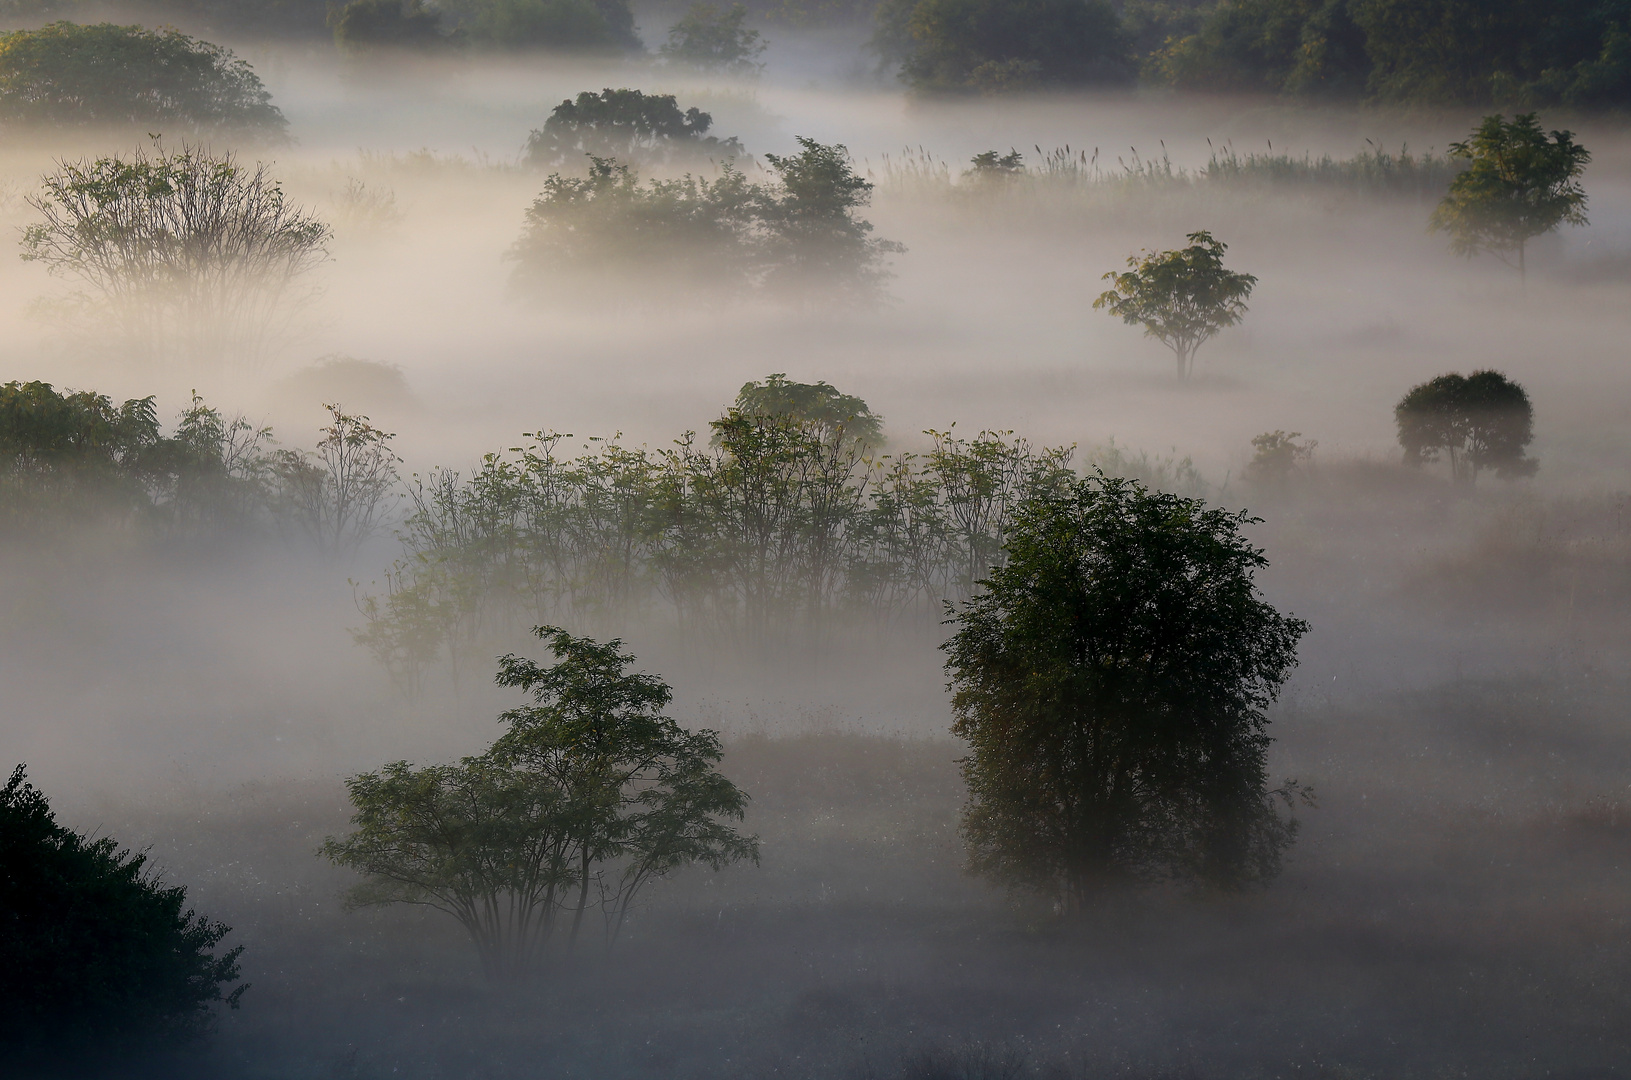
[[63, 74], [582, 26], [588, 797], [1277, 456], [713, 38], [1181, 298], [1519, 185], [627, 125], [995, 46], [814, 237], [834, 417], [1112, 682], [186, 252], [1480, 421], [339, 494], [365, 25], [99, 959]]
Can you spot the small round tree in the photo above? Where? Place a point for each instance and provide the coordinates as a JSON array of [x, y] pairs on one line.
[[64, 74], [99, 959], [713, 38], [1181, 298], [629, 125], [1518, 185], [1479, 421], [1113, 681]]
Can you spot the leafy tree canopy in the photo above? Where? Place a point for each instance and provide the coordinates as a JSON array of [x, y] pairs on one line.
[[713, 38], [1113, 682], [1181, 298], [589, 795], [65, 74], [594, 26], [99, 959], [1479, 421], [1430, 51], [993, 46], [836, 416], [628, 125], [363, 25], [1520, 183]]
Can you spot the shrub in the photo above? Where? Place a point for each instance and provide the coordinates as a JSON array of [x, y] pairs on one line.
[[711, 38], [64, 74], [187, 252], [100, 961], [630, 125]]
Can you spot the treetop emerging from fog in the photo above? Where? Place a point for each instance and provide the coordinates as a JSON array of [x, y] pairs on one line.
[[65, 74]]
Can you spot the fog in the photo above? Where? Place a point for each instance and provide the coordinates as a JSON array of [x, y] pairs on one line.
[[1455, 905]]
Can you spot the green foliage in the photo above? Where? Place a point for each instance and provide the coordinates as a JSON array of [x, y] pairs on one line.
[[997, 46], [629, 125], [802, 237], [591, 26], [186, 252], [63, 74], [1480, 421], [711, 38], [813, 234], [338, 495], [1278, 455], [1520, 185], [1428, 51], [782, 527], [589, 796], [1181, 298], [100, 961], [1112, 681], [364, 25], [70, 458]]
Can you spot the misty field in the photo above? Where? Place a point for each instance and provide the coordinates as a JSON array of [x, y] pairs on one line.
[[534, 420]]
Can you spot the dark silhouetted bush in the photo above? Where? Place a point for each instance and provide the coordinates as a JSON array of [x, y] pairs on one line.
[[100, 961]]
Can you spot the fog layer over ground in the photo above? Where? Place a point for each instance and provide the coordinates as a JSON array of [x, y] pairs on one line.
[[1456, 905]]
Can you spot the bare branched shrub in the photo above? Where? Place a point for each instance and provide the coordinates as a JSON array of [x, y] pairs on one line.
[[189, 254]]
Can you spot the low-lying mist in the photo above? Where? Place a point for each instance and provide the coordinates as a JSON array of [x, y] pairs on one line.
[[1455, 904]]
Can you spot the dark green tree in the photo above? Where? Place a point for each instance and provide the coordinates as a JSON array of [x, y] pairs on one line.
[[1181, 298], [831, 415], [100, 960], [814, 235], [1479, 421], [994, 46], [630, 126], [366, 25], [588, 797], [69, 75], [713, 38], [1519, 184], [1113, 683]]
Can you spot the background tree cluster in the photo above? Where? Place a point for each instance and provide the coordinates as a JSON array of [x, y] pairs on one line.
[[800, 235], [72, 459], [66, 75], [589, 796], [100, 960]]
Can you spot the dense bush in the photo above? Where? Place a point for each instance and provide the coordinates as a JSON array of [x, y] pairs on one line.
[[999, 45], [158, 80], [632, 126], [100, 961], [712, 38], [785, 521], [801, 237]]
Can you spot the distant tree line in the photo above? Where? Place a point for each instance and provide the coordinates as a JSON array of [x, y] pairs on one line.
[[1523, 52]]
